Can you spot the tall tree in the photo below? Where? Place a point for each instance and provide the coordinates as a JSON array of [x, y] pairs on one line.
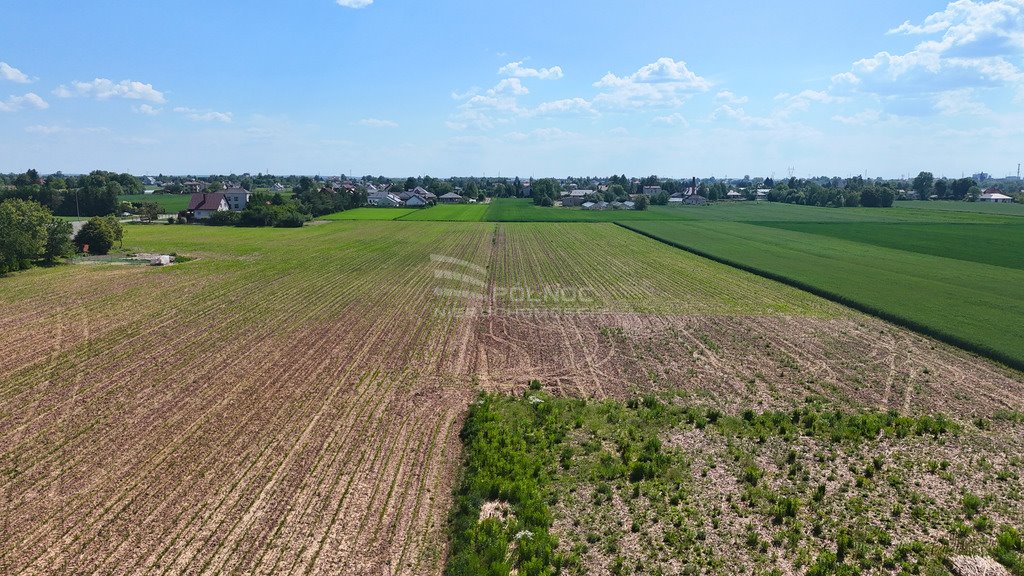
[[923, 184]]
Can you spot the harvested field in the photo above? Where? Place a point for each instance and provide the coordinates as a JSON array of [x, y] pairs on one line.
[[290, 401]]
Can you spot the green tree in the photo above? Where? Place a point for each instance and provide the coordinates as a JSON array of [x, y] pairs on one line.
[[641, 202], [97, 235], [410, 183], [149, 211], [58, 240], [23, 233], [923, 184]]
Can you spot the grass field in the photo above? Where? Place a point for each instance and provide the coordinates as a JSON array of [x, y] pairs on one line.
[[524, 210], [290, 401], [972, 304], [999, 245], [169, 203], [370, 214], [449, 213]]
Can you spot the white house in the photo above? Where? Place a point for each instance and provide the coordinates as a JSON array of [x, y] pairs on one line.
[[383, 199], [277, 187], [238, 198], [416, 201], [203, 204]]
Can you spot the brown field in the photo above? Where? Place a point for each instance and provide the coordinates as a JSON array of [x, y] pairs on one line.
[[289, 403]]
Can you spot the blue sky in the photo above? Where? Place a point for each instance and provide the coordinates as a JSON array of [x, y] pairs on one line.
[[539, 88]]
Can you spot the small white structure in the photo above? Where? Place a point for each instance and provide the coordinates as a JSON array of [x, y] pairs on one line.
[[161, 260], [734, 195], [991, 195], [588, 205]]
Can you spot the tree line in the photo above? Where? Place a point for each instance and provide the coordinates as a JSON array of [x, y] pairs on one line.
[[93, 194]]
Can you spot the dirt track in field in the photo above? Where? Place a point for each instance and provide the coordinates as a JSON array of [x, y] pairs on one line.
[[300, 414], [741, 361]]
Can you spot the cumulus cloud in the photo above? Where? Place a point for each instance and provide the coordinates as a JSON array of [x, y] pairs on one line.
[[978, 46], [959, 103], [377, 123], [726, 111], [664, 82], [8, 72], [29, 100], [564, 106], [354, 3], [509, 85], [727, 97], [675, 119], [146, 109], [205, 116], [516, 70], [102, 89]]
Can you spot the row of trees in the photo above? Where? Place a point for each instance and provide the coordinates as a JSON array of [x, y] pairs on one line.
[[94, 194], [925, 185]]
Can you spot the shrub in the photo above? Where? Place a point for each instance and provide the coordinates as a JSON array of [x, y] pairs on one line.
[[223, 218], [97, 234]]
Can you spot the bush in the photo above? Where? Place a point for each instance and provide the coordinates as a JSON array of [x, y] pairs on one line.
[[97, 235], [223, 219]]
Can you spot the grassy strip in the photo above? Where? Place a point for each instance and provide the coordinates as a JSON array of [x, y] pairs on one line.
[[983, 325], [506, 461]]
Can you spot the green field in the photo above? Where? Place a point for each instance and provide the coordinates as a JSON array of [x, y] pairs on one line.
[[524, 210], [999, 244], [169, 203], [971, 304], [369, 214], [449, 213]]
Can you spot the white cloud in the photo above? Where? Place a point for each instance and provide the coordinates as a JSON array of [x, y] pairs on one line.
[[664, 82], [675, 119], [959, 103], [542, 135], [30, 100], [103, 89], [47, 130], [8, 72], [146, 109], [205, 116], [354, 3], [377, 123], [727, 97], [564, 106], [726, 111], [510, 85], [516, 70], [980, 46]]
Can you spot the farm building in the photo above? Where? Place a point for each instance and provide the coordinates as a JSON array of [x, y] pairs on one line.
[[451, 198], [993, 195], [733, 195], [277, 187], [651, 190], [588, 205], [203, 204], [696, 200]]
